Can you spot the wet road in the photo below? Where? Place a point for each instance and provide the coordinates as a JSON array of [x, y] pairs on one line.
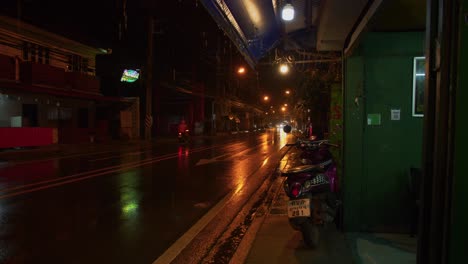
[[125, 204]]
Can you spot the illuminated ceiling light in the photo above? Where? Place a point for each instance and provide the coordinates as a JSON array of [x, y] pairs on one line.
[[241, 70], [284, 68], [287, 14], [253, 11]]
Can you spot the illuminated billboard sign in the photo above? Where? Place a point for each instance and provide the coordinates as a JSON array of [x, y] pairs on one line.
[[130, 76]]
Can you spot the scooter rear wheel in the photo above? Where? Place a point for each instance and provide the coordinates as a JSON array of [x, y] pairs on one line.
[[310, 234]]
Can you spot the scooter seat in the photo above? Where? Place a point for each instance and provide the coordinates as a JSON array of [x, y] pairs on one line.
[[320, 167]]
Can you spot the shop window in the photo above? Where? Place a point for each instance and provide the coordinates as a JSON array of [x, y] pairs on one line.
[[419, 79], [65, 114], [30, 114]]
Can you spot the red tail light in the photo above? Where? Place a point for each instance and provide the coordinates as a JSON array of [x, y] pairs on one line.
[[296, 190]]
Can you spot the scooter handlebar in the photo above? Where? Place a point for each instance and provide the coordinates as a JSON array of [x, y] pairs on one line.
[[333, 145], [311, 143]]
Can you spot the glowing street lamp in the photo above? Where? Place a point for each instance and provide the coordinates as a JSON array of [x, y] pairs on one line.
[[284, 68], [266, 98], [241, 70], [287, 92]]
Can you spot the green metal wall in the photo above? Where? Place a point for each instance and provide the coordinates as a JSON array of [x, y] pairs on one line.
[[377, 158], [459, 227], [353, 142]]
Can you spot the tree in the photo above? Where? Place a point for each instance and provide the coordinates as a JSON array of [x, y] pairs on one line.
[[313, 93]]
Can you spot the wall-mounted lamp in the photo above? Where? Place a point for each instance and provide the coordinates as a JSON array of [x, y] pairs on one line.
[[287, 14]]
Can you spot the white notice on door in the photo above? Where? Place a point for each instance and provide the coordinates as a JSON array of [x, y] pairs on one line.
[[395, 114]]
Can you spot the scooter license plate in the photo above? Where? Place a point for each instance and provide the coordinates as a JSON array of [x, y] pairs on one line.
[[299, 208]]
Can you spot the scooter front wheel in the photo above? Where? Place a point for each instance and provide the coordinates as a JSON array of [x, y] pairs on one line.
[[310, 234]]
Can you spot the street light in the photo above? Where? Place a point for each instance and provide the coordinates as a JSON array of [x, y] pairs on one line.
[[287, 92], [266, 98], [241, 70], [284, 68]]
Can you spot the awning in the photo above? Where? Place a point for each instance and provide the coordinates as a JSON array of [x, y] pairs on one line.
[[255, 26]]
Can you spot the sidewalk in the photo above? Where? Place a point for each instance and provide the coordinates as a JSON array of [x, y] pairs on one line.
[[272, 240]]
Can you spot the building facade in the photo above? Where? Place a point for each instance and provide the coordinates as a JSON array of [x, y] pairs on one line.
[[49, 92]]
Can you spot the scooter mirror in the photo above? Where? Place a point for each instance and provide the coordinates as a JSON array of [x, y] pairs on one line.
[[287, 129]]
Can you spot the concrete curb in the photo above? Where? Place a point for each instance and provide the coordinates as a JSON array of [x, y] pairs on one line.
[[261, 214], [245, 245]]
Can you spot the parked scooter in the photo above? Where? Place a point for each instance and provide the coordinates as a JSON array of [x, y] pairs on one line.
[[314, 151], [312, 190]]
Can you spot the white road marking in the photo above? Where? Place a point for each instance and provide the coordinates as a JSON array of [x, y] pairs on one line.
[[173, 251]]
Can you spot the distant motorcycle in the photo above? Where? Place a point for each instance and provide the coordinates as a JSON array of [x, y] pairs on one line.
[[184, 137]]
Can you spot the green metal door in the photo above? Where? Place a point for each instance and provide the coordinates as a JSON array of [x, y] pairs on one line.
[[392, 144]]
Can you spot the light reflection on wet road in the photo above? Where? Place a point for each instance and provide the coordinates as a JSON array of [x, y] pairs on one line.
[[124, 205]]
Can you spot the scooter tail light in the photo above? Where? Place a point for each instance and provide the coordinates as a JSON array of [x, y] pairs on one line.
[[296, 190]]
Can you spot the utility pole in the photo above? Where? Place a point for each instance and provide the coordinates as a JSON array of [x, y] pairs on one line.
[[149, 80]]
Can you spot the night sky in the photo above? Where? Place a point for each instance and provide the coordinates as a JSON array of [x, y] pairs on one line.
[[96, 23], [87, 21]]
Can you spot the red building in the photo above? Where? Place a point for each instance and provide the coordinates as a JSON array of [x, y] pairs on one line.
[[49, 92]]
